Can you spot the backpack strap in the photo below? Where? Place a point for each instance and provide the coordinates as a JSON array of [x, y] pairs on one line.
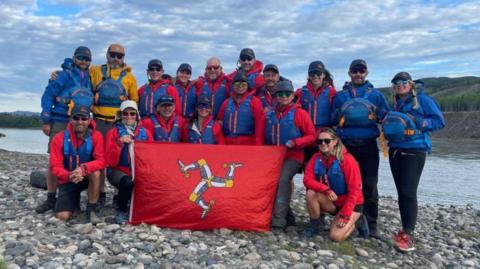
[[104, 72], [122, 75]]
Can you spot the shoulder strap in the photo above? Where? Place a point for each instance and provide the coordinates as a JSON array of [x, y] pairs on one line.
[[122, 75], [104, 71]]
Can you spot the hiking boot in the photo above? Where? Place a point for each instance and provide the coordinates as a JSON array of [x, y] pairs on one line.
[[311, 232], [92, 216], [47, 205], [403, 241], [375, 233], [121, 217], [290, 218], [362, 227], [101, 199]]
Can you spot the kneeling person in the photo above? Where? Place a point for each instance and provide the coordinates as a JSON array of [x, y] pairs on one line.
[[76, 159]]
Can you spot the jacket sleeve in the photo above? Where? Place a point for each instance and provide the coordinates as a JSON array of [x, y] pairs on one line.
[[336, 105], [218, 134], [304, 123], [351, 172], [259, 117], [149, 135], [98, 162], [221, 111], [113, 148], [172, 91], [53, 89], [298, 97], [433, 117], [56, 159], [332, 93], [309, 180], [148, 125], [132, 88]]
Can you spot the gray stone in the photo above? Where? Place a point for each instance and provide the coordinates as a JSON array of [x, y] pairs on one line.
[[361, 252], [322, 252], [437, 259], [468, 263], [19, 249], [121, 258], [83, 228], [333, 266], [38, 179]]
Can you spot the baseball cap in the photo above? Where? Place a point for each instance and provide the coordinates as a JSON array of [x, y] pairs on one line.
[[185, 67], [204, 100], [155, 62], [316, 66], [247, 52], [128, 104], [401, 76], [271, 67], [284, 86], [81, 110], [165, 99], [358, 63], [239, 77], [83, 51]]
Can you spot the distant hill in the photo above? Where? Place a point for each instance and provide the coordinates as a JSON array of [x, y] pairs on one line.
[[20, 119], [453, 94], [22, 113]]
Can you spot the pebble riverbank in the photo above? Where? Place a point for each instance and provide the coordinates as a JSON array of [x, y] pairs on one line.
[[446, 237]]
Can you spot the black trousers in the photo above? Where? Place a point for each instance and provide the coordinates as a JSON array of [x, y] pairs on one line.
[[368, 159], [124, 184], [407, 166]]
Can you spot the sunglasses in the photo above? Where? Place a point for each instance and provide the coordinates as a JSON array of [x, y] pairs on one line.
[[80, 118], [400, 82], [131, 113], [240, 84], [116, 55], [83, 58], [154, 69], [203, 106], [283, 94], [361, 71], [315, 73], [326, 141], [245, 58], [212, 67]]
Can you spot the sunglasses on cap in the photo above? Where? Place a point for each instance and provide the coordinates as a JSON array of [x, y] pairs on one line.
[[212, 67], [83, 58], [246, 58], [116, 55], [203, 106], [322, 141], [155, 69], [80, 118], [283, 94], [315, 73], [131, 113], [240, 84], [358, 70], [400, 82]]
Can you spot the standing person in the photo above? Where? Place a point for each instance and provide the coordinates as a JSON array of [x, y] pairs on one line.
[[156, 87], [251, 68], [290, 126], [214, 85], [71, 85], [202, 127], [184, 86], [333, 182], [76, 159], [165, 125], [127, 129], [356, 111], [241, 116], [407, 129], [266, 94]]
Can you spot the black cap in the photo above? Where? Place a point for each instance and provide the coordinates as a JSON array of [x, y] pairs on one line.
[[271, 67], [202, 99], [284, 86], [185, 67], [155, 62], [401, 76], [239, 77], [316, 66], [83, 51], [247, 52], [165, 99], [81, 110], [358, 63]]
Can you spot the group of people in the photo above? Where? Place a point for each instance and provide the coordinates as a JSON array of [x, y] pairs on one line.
[[331, 135]]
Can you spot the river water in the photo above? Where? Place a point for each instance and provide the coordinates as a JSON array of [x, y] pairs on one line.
[[451, 174]]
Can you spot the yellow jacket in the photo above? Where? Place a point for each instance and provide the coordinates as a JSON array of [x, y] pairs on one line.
[[129, 83]]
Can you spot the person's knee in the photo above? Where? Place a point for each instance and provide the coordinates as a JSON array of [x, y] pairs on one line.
[[64, 215], [94, 176], [310, 196], [336, 236]]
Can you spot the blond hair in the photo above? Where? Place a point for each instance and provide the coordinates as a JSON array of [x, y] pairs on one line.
[[337, 151], [413, 90]]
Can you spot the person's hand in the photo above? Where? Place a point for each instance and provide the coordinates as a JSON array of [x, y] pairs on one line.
[[76, 175], [332, 196], [341, 221], [46, 129], [54, 75], [126, 139], [290, 144]]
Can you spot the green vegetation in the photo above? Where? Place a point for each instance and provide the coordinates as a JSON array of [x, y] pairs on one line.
[[3, 264], [8, 120], [344, 247]]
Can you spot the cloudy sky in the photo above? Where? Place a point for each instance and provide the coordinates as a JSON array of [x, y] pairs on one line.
[[425, 38]]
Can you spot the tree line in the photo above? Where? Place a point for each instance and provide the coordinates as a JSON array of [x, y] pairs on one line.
[[8, 120]]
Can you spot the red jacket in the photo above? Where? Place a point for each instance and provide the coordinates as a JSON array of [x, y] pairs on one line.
[[166, 125], [259, 117], [331, 89], [56, 153], [353, 180], [259, 80], [113, 148], [171, 90], [217, 131], [213, 84], [304, 124]]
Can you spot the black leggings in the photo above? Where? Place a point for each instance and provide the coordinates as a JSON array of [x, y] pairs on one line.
[[407, 166]]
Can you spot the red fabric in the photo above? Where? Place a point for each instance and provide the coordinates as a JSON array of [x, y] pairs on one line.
[[166, 125], [213, 84], [162, 192], [259, 80], [56, 153], [113, 148], [171, 90], [352, 176], [217, 131], [258, 115]]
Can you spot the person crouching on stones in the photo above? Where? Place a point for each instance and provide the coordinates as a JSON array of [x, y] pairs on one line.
[[76, 159], [334, 185], [165, 125], [126, 129], [202, 127]]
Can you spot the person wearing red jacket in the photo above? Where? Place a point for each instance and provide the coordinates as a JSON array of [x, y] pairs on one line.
[[251, 68], [290, 126], [76, 160], [184, 85], [127, 128], [241, 116], [334, 185], [202, 128], [165, 125], [156, 87]]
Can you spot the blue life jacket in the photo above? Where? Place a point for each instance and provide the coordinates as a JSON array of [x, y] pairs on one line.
[[160, 133], [75, 95], [217, 98], [238, 122], [140, 136], [185, 99], [206, 137], [398, 127], [319, 109], [262, 95], [110, 92], [73, 157], [148, 99], [251, 80], [279, 132], [333, 178], [358, 111]]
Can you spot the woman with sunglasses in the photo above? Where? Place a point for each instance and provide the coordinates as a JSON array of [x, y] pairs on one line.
[[407, 130], [202, 127], [334, 186], [287, 125], [251, 68], [127, 128]]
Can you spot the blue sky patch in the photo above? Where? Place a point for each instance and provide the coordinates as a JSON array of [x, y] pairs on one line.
[[46, 8]]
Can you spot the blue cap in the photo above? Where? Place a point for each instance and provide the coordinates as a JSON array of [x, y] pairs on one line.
[[81, 110], [165, 99]]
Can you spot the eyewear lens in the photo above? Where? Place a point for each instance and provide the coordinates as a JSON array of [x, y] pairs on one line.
[[154, 69], [83, 58], [245, 58], [80, 118], [315, 74], [213, 67], [116, 55], [240, 84], [326, 141], [283, 94], [400, 82], [358, 70], [131, 113]]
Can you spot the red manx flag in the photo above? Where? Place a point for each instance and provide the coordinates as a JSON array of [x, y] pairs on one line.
[[200, 187]]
